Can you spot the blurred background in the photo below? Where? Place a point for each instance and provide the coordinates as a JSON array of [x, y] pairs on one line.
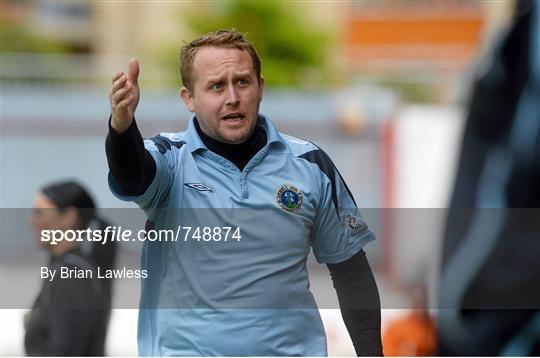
[[381, 86]]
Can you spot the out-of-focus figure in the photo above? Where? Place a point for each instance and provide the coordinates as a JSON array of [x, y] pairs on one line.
[[489, 297], [414, 334], [71, 313]]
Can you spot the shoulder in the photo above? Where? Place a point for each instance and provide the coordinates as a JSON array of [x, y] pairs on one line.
[[71, 260], [164, 142], [314, 156], [310, 153], [297, 146]]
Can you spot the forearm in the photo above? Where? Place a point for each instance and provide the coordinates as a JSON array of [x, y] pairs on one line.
[[359, 302], [129, 162]]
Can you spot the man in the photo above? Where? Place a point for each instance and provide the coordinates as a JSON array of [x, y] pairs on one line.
[[249, 296]]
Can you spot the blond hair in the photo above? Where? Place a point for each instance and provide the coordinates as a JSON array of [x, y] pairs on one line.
[[220, 38]]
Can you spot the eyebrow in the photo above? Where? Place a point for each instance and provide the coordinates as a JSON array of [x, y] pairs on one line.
[[221, 78]]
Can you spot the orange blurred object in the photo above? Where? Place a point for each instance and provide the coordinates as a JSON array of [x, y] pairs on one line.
[[413, 335], [395, 33]]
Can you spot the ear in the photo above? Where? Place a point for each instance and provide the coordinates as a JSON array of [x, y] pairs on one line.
[[261, 88], [187, 98]]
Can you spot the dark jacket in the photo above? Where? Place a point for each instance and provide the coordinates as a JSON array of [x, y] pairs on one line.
[[70, 315]]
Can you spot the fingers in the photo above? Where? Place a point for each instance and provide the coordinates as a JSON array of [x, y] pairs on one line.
[[119, 90], [124, 103], [133, 71], [117, 75], [120, 94], [124, 96], [119, 83]]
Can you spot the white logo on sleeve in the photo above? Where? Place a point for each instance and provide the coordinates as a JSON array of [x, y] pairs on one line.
[[354, 225]]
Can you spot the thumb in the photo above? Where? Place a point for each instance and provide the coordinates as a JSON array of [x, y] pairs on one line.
[[133, 71]]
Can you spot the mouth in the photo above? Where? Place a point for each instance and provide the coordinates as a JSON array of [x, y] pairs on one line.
[[233, 117]]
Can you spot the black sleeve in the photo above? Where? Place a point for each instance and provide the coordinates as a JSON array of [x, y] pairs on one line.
[[129, 162], [359, 302]]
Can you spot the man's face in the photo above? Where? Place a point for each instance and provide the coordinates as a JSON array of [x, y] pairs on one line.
[[226, 93]]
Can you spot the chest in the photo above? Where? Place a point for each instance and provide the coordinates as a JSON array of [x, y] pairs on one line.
[[274, 182], [273, 203]]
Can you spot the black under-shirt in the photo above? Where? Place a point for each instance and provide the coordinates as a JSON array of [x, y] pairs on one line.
[[238, 154]]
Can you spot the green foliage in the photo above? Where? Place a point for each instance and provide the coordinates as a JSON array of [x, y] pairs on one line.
[[18, 38], [293, 50]]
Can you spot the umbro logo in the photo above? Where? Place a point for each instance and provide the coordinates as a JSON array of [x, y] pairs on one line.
[[199, 186]]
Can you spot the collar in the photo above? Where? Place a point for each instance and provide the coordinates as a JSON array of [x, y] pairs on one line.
[[194, 142]]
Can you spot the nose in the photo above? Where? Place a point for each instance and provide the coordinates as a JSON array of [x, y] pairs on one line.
[[232, 99]]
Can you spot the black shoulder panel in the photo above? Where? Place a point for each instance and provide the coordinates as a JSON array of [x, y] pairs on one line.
[[149, 225], [164, 144], [319, 157]]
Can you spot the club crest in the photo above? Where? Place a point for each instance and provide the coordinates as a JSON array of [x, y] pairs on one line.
[[289, 198]]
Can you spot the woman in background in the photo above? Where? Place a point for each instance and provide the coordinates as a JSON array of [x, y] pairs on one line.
[[70, 315]]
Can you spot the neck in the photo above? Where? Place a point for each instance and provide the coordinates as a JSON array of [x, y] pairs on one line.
[[238, 154]]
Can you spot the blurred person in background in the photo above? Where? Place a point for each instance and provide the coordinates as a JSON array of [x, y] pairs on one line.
[[70, 315], [202, 167], [489, 297]]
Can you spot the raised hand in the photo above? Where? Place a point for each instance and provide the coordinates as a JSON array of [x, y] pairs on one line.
[[124, 96]]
